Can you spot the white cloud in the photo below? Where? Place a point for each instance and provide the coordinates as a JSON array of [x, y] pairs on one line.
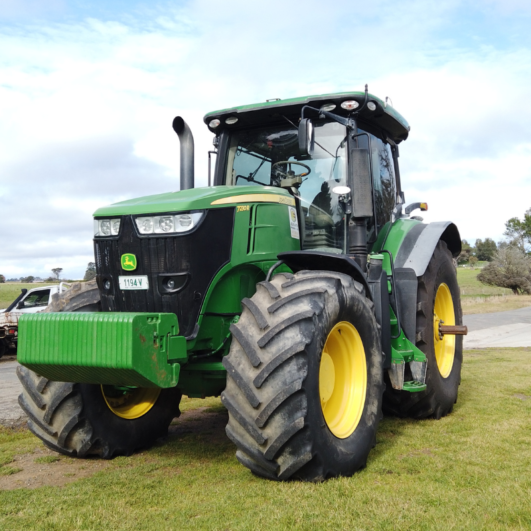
[[87, 107]]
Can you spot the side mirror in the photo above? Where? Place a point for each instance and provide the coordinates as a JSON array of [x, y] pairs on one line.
[[360, 177], [305, 136], [20, 305]]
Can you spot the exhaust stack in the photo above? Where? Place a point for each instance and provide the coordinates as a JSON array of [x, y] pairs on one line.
[[186, 140]]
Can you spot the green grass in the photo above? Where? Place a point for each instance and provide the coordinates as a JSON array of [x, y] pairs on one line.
[[479, 298], [472, 287], [46, 459], [468, 471]]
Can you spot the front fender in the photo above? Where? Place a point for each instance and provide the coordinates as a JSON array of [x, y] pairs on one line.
[[318, 260], [411, 259], [420, 242]]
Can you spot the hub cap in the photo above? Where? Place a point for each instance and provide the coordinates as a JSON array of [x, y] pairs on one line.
[[443, 312], [343, 379], [130, 403]]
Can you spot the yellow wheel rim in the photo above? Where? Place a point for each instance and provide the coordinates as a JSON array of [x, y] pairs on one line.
[[443, 311], [130, 404], [343, 379]]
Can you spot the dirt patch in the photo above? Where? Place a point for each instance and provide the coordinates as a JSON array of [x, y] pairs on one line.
[[522, 397], [201, 421], [418, 453], [35, 473], [8, 357]]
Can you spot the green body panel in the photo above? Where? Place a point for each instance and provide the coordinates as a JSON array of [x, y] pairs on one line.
[[260, 233], [103, 348], [394, 239], [186, 200]]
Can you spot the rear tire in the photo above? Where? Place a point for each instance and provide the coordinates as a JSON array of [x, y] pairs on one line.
[[301, 341], [437, 286], [3, 347], [81, 297], [77, 419]]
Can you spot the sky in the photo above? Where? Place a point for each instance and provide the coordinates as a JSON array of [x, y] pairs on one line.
[[89, 89]]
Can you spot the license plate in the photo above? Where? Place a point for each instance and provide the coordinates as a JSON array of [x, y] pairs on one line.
[[134, 282]]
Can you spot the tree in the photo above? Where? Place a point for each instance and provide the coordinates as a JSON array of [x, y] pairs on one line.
[[57, 271], [28, 280], [520, 230], [485, 249], [510, 268], [466, 252], [90, 273], [2, 279], [473, 260]]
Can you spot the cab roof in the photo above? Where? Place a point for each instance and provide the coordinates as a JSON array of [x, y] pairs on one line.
[[384, 118]]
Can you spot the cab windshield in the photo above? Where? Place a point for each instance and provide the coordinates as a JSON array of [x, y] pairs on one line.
[[270, 156]]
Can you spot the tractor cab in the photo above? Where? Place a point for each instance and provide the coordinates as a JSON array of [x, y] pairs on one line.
[[351, 142]]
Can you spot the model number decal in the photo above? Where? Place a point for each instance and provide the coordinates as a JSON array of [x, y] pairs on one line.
[[293, 223], [243, 208]]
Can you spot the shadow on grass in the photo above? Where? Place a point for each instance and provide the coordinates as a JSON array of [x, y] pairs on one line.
[[197, 435]]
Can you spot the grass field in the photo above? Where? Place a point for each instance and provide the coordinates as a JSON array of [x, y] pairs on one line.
[[467, 471], [479, 298]]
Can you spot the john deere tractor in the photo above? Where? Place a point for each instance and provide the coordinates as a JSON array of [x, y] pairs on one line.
[[296, 285]]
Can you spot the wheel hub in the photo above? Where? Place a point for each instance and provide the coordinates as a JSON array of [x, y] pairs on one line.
[[444, 345], [327, 377], [343, 379], [130, 403]]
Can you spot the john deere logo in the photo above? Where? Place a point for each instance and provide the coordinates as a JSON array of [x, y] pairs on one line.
[[128, 262]]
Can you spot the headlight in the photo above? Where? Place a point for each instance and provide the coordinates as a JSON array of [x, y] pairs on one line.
[[106, 227], [169, 223]]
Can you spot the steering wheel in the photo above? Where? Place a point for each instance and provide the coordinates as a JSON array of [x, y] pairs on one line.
[[290, 173]]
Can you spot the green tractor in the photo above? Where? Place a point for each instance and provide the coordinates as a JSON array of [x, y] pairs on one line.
[[297, 286]]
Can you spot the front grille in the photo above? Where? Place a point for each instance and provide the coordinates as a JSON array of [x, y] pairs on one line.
[[197, 256]]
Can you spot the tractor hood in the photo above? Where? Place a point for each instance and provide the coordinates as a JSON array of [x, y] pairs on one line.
[[196, 199]]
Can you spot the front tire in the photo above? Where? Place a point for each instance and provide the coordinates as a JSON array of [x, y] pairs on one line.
[[75, 419], [84, 419], [304, 378]]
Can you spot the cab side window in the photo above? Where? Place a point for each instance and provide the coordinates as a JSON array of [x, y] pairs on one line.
[[383, 174]]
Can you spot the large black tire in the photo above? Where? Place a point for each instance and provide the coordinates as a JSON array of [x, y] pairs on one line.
[[273, 377], [441, 391], [74, 419], [3, 347]]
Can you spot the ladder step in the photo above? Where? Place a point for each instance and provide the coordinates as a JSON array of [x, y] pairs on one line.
[[414, 387]]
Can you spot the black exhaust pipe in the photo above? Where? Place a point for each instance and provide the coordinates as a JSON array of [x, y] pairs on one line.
[[186, 140]]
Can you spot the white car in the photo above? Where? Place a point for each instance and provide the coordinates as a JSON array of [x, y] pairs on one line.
[[29, 301]]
